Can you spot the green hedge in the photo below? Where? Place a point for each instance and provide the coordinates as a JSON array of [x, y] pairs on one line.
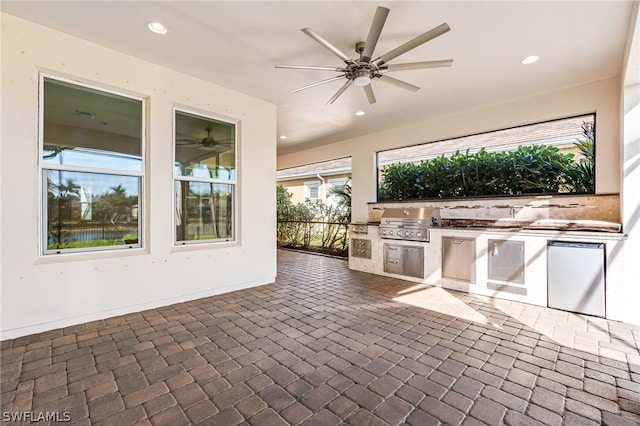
[[530, 169]]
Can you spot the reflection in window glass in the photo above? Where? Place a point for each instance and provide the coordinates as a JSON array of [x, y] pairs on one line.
[[92, 168], [91, 210], [91, 128], [205, 178], [205, 211]]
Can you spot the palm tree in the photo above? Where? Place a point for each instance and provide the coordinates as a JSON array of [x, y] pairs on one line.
[[61, 196], [343, 192]]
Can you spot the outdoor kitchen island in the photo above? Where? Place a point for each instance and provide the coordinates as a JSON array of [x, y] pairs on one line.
[[493, 250]]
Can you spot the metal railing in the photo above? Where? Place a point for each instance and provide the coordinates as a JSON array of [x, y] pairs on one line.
[[330, 237]]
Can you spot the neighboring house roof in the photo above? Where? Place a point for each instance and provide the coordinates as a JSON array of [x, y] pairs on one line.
[[325, 168], [561, 133], [564, 132]]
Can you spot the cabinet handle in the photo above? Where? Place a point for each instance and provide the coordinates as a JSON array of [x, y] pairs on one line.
[[458, 242], [393, 248], [393, 261]]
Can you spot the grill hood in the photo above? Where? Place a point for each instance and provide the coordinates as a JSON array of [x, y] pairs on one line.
[[422, 216]]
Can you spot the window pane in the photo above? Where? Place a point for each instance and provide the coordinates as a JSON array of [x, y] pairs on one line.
[[91, 128], [205, 141], [204, 211], [87, 210]]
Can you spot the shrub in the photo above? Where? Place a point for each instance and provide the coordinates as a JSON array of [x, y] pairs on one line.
[[530, 169]]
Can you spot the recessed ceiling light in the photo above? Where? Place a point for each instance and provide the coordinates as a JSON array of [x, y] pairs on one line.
[[283, 137], [360, 113], [157, 27], [529, 60]]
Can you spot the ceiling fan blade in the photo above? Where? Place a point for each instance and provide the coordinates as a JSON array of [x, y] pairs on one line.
[[417, 65], [327, 45], [412, 44], [399, 83], [374, 32], [338, 77], [368, 90], [339, 92], [311, 67]]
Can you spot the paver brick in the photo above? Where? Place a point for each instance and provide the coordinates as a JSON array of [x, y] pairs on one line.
[[446, 413], [468, 387], [250, 406], [514, 418], [508, 400], [488, 411], [451, 367], [420, 418], [281, 375], [145, 394], [364, 397], [385, 385], [342, 407], [130, 416], [296, 413], [569, 382], [521, 376], [319, 397], [172, 416], [335, 340], [106, 406], [393, 410], [457, 401], [276, 397], [483, 377], [583, 410], [360, 417], [571, 418]]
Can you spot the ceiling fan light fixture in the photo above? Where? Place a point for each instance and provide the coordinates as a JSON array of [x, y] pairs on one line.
[[361, 77]]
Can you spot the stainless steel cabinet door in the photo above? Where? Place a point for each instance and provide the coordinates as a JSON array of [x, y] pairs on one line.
[[506, 261], [459, 258], [414, 261]]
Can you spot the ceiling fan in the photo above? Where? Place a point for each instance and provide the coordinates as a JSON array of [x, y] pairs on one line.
[[362, 70], [208, 143]]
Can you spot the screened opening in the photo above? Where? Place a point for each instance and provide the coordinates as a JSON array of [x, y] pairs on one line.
[[550, 157]]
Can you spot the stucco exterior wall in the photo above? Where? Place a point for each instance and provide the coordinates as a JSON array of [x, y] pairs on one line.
[[46, 292]]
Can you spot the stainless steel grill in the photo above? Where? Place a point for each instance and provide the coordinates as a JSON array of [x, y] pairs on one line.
[[409, 223]]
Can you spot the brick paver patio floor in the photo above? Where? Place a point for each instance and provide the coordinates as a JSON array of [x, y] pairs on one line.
[[327, 346]]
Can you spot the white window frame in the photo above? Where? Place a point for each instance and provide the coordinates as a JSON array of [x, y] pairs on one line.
[[232, 181], [307, 190], [43, 167]]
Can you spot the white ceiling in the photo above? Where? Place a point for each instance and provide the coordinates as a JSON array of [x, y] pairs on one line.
[[236, 44]]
